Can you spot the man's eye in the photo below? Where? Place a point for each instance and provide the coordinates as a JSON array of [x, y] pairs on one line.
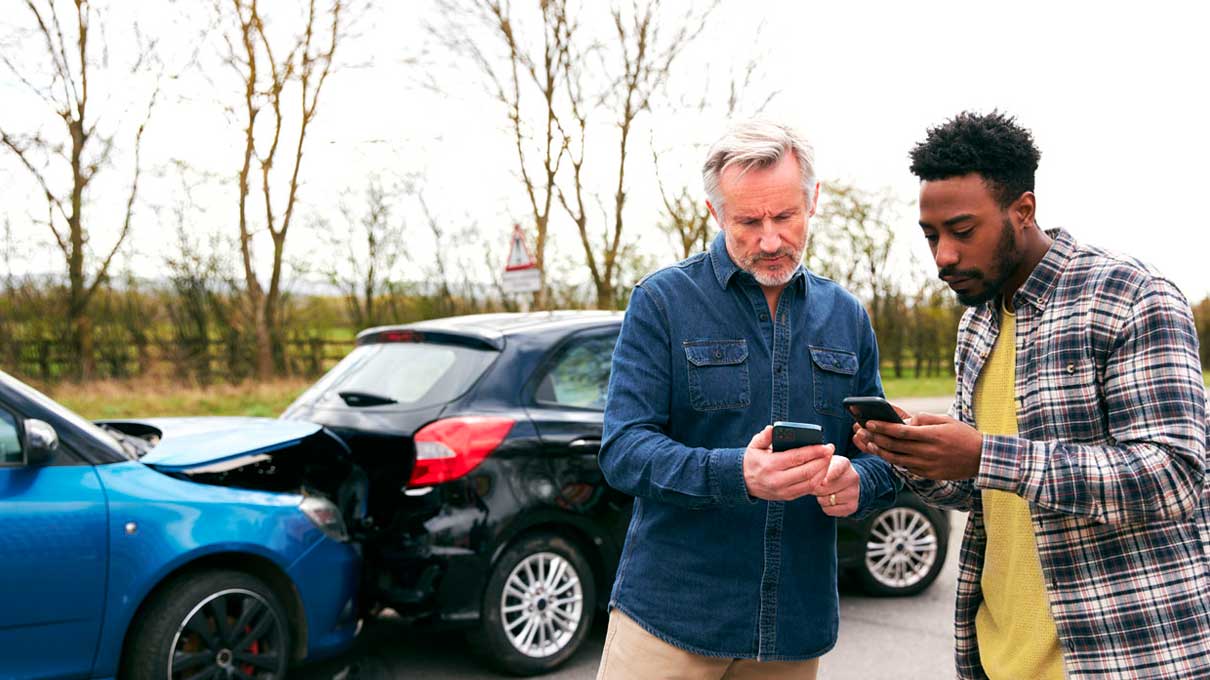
[[931, 238], [964, 233]]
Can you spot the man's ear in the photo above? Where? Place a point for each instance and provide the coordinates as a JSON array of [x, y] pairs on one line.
[[814, 201], [1024, 210], [714, 213]]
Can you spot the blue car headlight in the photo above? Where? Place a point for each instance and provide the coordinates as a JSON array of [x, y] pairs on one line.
[[325, 515]]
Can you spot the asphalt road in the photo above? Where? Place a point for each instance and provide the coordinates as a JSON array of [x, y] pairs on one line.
[[903, 638]]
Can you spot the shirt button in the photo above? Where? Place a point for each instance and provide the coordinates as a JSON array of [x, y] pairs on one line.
[[718, 354], [764, 317], [1071, 368]]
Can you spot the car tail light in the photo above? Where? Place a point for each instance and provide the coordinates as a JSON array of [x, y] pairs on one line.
[[448, 449]]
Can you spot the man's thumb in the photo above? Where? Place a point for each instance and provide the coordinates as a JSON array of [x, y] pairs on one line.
[[922, 418], [762, 439]]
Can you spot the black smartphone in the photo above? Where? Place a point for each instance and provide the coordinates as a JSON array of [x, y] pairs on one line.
[[788, 435], [871, 408]]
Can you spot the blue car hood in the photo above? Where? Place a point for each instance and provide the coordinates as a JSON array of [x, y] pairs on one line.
[[218, 442]]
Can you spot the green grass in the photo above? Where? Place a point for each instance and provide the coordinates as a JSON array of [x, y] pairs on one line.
[[147, 398], [144, 398], [908, 387]]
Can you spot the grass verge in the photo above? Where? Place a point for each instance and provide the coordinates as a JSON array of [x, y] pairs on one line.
[[148, 398]]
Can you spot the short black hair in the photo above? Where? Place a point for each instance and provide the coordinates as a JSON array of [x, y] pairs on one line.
[[993, 145]]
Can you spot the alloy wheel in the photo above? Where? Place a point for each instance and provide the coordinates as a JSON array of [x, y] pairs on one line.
[[542, 605], [230, 634], [902, 547]]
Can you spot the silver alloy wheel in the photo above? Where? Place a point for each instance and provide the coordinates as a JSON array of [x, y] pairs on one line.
[[542, 605], [902, 548]]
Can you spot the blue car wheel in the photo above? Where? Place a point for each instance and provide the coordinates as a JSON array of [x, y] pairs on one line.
[[210, 625]]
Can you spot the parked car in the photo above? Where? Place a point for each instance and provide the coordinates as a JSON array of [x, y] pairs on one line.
[[487, 508], [168, 548]]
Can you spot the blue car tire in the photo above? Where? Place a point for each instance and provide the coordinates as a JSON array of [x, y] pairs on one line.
[[211, 624]]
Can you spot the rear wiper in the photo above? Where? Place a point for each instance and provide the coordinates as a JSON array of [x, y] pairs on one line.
[[365, 399]]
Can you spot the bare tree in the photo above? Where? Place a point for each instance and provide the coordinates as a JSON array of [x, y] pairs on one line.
[[78, 148], [687, 218], [372, 244], [523, 75], [644, 51], [273, 64]]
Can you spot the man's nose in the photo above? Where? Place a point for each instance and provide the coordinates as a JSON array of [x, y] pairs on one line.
[[770, 239], [945, 255]]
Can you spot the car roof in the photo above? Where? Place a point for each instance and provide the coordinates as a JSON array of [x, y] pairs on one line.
[[495, 327]]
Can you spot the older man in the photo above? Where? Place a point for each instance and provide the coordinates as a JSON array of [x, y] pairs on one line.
[[729, 567]]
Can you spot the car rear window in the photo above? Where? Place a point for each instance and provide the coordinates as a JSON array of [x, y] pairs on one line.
[[414, 374]]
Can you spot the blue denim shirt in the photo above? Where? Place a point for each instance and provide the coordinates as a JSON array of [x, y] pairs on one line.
[[699, 368]]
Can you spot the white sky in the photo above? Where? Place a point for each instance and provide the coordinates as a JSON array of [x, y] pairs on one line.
[[1116, 95]]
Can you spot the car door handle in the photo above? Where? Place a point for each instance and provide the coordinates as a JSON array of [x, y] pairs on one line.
[[585, 443]]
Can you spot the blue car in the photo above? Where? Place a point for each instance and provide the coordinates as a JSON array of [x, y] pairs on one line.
[[170, 548]]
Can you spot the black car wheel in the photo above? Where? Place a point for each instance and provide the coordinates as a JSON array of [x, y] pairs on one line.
[[210, 626], [904, 549], [538, 605]]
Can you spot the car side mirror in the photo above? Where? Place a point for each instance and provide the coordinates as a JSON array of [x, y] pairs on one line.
[[41, 442]]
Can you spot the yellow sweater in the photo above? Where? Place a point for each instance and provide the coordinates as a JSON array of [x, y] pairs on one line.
[[1016, 634]]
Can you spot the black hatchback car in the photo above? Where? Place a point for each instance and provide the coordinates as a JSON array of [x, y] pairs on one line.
[[486, 507]]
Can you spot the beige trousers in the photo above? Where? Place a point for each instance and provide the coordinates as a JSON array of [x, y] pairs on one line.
[[631, 653]]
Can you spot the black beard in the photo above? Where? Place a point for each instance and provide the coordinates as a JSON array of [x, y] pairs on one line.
[[1002, 268]]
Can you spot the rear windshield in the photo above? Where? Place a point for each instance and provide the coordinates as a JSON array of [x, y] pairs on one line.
[[414, 375]]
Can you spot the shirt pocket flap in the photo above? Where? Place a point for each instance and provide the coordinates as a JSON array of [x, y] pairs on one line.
[[834, 360], [717, 353]]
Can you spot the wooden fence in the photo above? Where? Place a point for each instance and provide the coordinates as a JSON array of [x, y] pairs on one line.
[[208, 361]]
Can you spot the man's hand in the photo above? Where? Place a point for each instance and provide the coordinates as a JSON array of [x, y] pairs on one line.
[[931, 446], [841, 489], [785, 475]]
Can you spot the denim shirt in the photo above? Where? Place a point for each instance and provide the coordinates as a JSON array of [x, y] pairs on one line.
[[699, 368]]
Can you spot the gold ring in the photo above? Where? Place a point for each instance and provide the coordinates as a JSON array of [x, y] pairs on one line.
[[832, 499]]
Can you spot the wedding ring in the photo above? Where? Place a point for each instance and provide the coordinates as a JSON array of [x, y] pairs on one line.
[[832, 499]]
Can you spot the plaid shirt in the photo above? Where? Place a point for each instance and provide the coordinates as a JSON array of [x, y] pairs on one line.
[[1112, 418]]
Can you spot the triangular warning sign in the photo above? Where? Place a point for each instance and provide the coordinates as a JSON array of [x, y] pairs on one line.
[[519, 256]]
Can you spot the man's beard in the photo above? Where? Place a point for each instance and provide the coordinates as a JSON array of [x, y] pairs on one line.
[[769, 279], [1002, 268]]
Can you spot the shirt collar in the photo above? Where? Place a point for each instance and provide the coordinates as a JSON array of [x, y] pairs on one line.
[[725, 268], [1040, 285]]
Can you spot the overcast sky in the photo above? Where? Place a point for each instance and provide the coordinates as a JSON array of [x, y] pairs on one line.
[[1116, 95]]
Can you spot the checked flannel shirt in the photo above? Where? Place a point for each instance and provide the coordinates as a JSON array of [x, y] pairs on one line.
[[1110, 454]]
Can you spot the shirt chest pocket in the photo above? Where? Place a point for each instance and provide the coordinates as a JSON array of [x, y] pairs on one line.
[[718, 374], [832, 371], [1069, 393]]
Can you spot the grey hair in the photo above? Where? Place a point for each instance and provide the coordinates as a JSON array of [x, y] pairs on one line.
[[759, 144]]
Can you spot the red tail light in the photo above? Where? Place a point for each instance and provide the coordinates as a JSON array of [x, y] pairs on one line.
[[448, 449]]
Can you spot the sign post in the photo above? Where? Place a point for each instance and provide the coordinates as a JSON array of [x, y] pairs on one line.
[[521, 273]]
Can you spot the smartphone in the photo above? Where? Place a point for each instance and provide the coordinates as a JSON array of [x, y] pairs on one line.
[[871, 408], [787, 435]]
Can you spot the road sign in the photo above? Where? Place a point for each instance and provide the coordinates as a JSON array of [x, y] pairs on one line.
[[521, 273], [519, 256]]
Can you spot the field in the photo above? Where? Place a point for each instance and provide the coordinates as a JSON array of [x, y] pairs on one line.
[[120, 399]]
